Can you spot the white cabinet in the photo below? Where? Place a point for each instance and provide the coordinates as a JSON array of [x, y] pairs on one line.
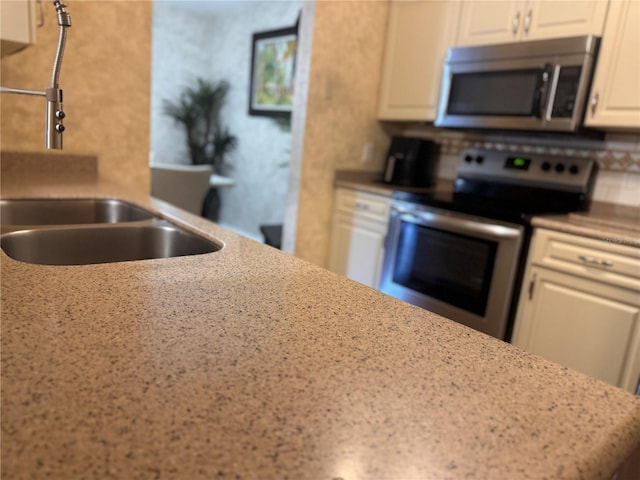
[[360, 221], [500, 21], [615, 94], [418, 35], [580, 306], [17, 25]]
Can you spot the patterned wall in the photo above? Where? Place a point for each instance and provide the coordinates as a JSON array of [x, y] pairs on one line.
[[216, 44], [343, 83], [105, 77], [617, 155]]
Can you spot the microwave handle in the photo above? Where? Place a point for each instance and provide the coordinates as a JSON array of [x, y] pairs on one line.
[[545, 89]]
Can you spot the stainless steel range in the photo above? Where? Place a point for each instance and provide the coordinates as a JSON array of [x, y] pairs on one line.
[[460, 251]]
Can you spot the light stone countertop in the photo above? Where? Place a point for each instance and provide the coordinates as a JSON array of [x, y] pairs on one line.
[[604, 221], [249, 363]]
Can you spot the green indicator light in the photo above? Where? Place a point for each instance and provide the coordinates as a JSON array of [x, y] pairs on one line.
[[519, 162]]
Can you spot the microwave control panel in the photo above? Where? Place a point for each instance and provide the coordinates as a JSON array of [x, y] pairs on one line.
[[566, 92]]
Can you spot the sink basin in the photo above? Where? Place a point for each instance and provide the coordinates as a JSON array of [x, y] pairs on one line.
[[103, 244], [69, 212]]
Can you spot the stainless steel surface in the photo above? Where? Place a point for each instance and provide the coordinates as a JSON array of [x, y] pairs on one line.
[[597, 262], [574, 51], [515, 23], [527, 21], [54, 114], [580, 45], [53, 126], [69, 212], [103, 244], [39, 93], [576, 173], [468, 225], [594, 103], [509, 238]]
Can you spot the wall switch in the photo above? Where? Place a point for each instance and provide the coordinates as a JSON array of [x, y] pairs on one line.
[[367, 152]]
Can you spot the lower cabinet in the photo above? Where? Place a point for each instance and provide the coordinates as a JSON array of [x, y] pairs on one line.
[[580, 306], [359, 229]]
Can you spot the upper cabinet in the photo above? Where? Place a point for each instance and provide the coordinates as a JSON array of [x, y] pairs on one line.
[[487, 22], [615, 94], [17, 25], [418, 35]]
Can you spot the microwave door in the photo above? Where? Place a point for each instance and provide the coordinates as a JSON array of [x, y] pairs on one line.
[[507, 98]]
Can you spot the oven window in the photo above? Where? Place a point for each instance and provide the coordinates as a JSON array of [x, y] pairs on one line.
[[502, 93], [450, 267]]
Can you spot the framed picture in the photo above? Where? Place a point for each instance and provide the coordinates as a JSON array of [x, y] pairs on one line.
[[273, 60]]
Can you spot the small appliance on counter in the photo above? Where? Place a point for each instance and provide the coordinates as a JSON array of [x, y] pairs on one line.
[[411, 162]]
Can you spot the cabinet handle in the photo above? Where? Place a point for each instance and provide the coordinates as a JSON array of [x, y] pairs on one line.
[[515, 23], [527, 21], [362, 206], [41, 22], [594, 103], [532, 286], [595, 261]]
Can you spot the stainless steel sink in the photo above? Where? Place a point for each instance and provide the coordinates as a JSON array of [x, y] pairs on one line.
[[103, 244], [87, 231], [69, 212]]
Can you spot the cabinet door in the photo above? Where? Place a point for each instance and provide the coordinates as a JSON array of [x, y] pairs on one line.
[[487, 22], [17, 29], [581, 324], [615, 95], [357, 248], [418, 36], [544, 19]]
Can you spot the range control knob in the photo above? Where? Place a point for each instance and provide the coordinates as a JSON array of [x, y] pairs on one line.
[[60, 114], [560, 167], [468, 158], [573, 169], [546, 166], [479, 159]]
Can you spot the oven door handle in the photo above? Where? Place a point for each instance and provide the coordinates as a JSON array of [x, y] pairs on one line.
[[464, 226]]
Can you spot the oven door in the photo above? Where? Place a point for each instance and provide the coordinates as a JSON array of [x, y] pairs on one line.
[[459, 266]]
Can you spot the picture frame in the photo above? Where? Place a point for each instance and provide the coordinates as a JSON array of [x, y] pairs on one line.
[[273, 59]]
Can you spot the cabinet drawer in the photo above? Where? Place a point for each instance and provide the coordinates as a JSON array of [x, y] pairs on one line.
[[594, 259], [375, 207]]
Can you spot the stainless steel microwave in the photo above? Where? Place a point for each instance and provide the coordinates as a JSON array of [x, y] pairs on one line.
[[534, 85]]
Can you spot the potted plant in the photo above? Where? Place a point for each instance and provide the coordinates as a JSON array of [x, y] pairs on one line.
[[208, 140]]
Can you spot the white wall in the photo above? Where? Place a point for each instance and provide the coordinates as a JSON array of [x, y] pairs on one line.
[[213, 40]]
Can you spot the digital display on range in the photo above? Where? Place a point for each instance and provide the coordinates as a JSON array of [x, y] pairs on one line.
[[517, 163]]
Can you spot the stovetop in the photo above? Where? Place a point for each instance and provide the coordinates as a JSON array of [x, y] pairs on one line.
[[510, 187]]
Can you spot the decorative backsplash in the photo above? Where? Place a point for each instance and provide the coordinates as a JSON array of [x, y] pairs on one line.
[[617, 152], [617, 155]]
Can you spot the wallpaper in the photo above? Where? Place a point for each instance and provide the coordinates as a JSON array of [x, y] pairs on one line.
[[215, 44], [344, 75], [105, 78]]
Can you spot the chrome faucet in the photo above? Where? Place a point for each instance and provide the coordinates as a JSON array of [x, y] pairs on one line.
[[54, 114]]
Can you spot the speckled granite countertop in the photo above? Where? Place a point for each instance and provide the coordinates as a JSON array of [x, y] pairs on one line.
[[603, 221], [249, 363]]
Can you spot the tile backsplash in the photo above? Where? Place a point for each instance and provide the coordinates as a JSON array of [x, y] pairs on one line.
[[617, 155]]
